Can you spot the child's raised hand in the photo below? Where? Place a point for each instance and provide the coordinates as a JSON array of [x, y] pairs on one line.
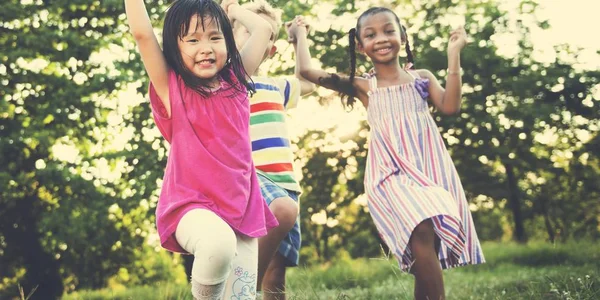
[[458, 40], [295, 27], [301, 22], [226, 4]]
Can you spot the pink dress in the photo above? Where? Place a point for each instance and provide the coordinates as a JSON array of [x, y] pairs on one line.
[[210, 163]]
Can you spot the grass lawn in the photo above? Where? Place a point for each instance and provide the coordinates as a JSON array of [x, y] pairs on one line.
[[535, 271]]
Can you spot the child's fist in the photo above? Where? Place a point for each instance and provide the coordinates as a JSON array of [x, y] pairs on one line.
[[458, 40], [226, 4], [295, 27]]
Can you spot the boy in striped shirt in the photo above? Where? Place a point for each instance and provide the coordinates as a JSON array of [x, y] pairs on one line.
[[273, 158]]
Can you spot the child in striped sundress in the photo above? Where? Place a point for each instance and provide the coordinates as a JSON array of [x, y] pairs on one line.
[[414, 192]]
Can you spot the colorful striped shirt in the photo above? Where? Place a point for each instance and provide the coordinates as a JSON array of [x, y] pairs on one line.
[[271, 150]]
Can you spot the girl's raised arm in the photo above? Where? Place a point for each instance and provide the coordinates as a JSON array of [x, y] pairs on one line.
[[357, 88], [260, 30], [306, 86], [152, 56], [448, 100]]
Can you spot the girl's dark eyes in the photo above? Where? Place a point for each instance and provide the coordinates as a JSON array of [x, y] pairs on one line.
[[214, 38], [371, 35]]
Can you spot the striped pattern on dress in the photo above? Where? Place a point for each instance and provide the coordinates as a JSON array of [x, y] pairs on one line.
[[410, 177]]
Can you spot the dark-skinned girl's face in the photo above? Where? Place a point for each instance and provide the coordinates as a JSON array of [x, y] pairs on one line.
[[380, 37]]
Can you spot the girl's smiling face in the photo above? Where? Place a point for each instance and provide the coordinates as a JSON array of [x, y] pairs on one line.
[[379, 37], [203, 48]]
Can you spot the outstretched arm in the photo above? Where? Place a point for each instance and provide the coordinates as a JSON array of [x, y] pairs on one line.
[[152, 56], [448, 100], [306, 87], [342, 84], [260, 31]]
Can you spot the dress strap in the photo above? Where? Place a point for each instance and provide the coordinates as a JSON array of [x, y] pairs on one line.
[[411, 72], [373, 83]]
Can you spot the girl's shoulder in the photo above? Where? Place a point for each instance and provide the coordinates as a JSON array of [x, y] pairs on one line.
[[425, 74], [362, 82], [363, 88]]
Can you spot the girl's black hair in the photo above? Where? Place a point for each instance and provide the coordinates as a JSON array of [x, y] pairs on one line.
[[176, 26], [347, 89]]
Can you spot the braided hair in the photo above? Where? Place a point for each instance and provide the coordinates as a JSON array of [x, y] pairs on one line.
[[347, 90]]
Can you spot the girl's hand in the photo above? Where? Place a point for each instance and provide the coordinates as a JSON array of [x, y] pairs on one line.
[[295, 27], [458, 40]]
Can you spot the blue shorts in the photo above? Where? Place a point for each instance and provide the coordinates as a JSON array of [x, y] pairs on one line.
[[290, 246]]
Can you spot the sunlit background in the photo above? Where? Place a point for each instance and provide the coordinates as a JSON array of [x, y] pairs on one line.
[[85, 192], [571, 22]]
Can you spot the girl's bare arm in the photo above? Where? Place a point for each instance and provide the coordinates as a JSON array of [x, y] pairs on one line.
[[260, 33], [340, 83], [150, 51], [448, 99]]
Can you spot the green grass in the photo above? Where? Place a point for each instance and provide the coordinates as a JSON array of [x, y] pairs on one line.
[[535, 271], [163, 291]]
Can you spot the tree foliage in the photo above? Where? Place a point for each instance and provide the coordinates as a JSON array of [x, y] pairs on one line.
[[82, 161], [71, 215]]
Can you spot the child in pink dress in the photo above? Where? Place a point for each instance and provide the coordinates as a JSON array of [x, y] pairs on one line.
[[210, 203]]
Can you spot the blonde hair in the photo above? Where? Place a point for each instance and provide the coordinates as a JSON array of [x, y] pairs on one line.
[[262, 7]]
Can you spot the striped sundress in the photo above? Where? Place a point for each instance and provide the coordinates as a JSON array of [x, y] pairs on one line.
[[410, 177]]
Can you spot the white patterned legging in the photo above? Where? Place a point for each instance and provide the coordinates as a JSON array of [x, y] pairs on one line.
[[225, 263]]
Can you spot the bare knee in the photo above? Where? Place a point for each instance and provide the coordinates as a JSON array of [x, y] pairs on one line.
[[286, 211], [423, 237]]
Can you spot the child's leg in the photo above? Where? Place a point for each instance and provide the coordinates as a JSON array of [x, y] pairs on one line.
[[274, 281], [429, 283], [241, 283], [213, 244], [286, 211], [284, 205]]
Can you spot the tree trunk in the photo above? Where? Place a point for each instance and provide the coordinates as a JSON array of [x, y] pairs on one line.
[[547, 222], [325, 240], [22, 237], [318, 241], [515, 204]]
